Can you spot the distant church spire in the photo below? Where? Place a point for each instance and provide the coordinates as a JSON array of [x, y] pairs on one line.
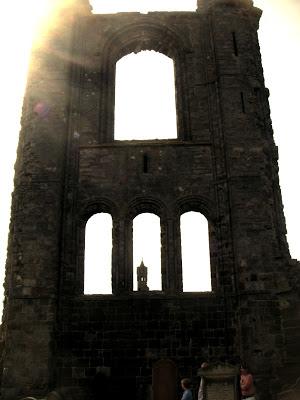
[[142, 276]]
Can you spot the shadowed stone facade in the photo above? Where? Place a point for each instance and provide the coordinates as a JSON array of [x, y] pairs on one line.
[[223, 164]]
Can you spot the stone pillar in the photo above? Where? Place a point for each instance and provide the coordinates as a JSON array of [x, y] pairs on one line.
[[171, 256]]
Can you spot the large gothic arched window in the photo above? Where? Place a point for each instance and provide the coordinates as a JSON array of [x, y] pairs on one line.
[[145, 106]]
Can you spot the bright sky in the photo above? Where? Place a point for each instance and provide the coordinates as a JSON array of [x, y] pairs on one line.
[[279, 38], [130, 111]]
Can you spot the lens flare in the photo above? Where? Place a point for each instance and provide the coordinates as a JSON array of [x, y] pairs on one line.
[[41, 109]]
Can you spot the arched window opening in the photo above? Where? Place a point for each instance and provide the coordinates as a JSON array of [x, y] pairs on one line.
[[98, 253], [146, 252], [145, 106], [196, 274]]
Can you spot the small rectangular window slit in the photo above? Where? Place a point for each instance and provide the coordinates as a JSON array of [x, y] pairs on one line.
[[235, 47], [145, 163], [243, 103]]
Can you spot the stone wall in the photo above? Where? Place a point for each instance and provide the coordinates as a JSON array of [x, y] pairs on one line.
[[223, 164]]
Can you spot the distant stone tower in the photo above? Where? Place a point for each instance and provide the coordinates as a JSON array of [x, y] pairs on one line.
[[142, 277], [223, 164]]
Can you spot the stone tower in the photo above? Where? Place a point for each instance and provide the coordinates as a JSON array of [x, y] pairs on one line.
[[142, 277], [223, 164]]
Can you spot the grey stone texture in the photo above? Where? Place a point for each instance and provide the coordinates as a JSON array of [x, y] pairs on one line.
[[223, 164], [220, 381]]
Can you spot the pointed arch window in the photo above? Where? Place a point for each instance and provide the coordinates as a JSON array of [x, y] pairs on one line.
[[98, 255], [145, 105], [147, 251], [195, 254]]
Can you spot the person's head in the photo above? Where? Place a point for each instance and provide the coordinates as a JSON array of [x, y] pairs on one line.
[[204, 365], [244, 370], [185, 383]]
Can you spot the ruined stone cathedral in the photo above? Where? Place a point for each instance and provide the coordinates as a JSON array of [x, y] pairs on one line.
[[223, 164]]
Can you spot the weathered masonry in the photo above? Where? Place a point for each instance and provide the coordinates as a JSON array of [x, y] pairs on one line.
[[223, 164]]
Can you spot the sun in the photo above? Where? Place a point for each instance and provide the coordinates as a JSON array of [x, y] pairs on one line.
[[22, 23], [31, 15]]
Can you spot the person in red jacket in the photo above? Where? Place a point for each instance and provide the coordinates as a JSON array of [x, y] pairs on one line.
[[247, 384]]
